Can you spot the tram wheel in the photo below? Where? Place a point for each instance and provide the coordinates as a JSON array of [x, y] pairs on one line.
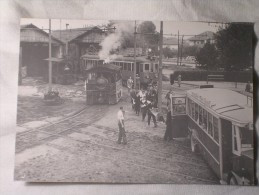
[[233, 180], [194, 146]]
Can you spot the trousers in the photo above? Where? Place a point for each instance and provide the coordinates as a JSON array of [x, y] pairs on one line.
[[150, 115], [122, 134]]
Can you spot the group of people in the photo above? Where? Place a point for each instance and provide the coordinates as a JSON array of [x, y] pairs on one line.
[[145, 101]]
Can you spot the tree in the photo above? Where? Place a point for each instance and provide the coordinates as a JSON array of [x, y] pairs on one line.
[[190, 50], [235, 46], [148, 37], [207, 57]]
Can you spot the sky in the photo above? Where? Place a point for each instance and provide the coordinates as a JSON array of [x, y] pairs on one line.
[[185, 28]]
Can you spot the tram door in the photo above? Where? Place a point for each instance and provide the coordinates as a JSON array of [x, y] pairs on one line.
[[179, 117], [226, 129]]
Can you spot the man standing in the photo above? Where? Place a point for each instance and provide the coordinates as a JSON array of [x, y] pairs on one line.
[[179, 80], [150, 114], [168, 132], [122, 134], [129, 84]]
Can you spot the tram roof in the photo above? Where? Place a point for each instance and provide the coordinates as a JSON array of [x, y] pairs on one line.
[[118, 58], [225, 102], [104, 66]]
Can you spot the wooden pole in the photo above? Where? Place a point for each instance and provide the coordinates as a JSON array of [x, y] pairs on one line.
[[20, 67], [135, 66], [181, 54], [160, 68], [50, 62], [178, 48]]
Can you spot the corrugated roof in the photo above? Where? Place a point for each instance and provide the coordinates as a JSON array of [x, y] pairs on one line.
[[32, 26], [203, 36], [120, 58], [71, 34], [228, 103]]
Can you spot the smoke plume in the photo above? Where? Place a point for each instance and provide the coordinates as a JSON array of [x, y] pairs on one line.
[[115, 41]]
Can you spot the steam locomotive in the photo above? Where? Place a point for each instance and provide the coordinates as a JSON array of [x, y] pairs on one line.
[[146, 67]]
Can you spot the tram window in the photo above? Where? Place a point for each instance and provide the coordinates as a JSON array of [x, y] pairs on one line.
[[205, 117], [156, 67], [210, 127], [196, 112], [200, 115], [132, 66], [216, 129], [121, 65], [141, 68], [246, 136], [179, 106], [124, 66], [193, 109], [129, 66], [152, 67], [235, 148], [147, 67], [189, 107]]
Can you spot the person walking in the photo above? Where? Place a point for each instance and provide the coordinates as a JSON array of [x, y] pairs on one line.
[[150, 115], [248, 87], [137, 104], [179, 80], [144, 109], [168, 131], [122, 133], [129, 84]]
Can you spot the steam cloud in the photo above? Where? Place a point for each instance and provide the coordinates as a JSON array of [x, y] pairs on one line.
[[114, 41]]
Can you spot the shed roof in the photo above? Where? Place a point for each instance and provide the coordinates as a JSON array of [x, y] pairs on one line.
[[119, 58], [71, 34], [224, 102], [33, 27]]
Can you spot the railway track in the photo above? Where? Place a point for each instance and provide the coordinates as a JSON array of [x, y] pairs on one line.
[[135, 155]]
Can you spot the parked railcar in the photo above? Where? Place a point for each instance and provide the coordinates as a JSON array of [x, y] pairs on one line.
[[146, 68], [103, 84], [219, 123]]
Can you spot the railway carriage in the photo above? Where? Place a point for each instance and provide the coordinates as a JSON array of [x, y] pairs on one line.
[[147, 69], [219, 123], [103, 84]]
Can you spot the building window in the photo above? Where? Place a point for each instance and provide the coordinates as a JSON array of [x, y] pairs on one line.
[[210, 126], [216, 129]]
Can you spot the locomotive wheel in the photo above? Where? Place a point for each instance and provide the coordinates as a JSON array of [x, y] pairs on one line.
[[194, 147]]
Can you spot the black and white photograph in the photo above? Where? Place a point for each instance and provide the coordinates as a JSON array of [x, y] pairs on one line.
[[107, 101]]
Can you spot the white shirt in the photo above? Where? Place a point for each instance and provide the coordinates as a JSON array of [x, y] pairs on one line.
[[120, 115]]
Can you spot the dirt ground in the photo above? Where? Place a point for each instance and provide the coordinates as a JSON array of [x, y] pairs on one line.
[[32, 108]]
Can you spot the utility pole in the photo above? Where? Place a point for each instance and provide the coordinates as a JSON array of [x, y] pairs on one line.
[[181, 54], [160, 68], [50, 62], [67, 42], [135, 66], [178, 48]]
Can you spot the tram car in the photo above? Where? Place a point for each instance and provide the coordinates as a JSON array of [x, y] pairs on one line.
[[219, 123], [103, 84], [146, 67]]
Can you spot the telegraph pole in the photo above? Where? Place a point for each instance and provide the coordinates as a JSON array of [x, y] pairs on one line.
[[135, 66], [160, 68], [178, 48], [181, 54], [50, 62]]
